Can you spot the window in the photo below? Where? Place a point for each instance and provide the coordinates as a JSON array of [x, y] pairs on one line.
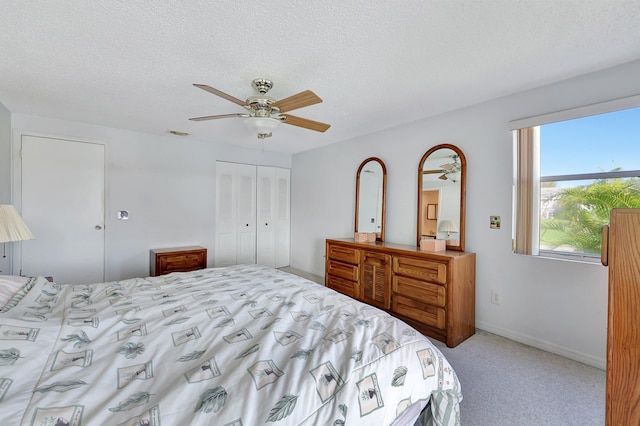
[[571, 169]]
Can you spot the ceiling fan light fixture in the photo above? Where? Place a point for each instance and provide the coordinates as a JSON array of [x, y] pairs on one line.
[[263, 126]]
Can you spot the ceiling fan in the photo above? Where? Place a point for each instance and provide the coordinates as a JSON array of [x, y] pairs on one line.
[[265, 113], [447, 169]]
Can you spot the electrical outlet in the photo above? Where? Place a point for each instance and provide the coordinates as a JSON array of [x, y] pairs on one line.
[[495, 297], [494, 222]]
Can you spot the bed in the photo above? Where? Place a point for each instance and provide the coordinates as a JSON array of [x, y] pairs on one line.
[[240, 345]]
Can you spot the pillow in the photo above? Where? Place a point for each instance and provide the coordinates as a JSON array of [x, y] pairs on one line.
[[9, 285]]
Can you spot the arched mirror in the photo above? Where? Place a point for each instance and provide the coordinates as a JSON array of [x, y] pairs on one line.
[[441, 196], [371, 183]]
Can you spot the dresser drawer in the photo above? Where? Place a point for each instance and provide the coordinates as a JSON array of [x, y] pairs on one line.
[[433, 294], [343, 254], [421, 269], [343, 270], [349, 288], [419, 311]]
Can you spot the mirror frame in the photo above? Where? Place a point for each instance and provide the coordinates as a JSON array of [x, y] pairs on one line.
[[379, 235], [463, 185]]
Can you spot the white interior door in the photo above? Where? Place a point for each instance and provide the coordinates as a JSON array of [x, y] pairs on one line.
[[246, 213], [274, 205], [252, 215], [63, 205], [235, 214], [266, 214], [282, 217]]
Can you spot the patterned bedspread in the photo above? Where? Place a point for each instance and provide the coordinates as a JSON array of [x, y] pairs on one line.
[[241, 345]]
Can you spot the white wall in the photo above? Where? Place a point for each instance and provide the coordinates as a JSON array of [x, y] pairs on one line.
[[556, 305], [5, 155], [167, 183], [5, 174]]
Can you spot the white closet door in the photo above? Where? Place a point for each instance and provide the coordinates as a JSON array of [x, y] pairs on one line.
[[266, 216], [282, 217], [252, 215], [246, 213], [62, 195], [235, 214]]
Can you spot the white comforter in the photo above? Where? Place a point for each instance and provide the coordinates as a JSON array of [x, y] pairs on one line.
[[243, 345]]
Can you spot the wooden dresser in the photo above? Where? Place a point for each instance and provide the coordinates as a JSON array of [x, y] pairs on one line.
[[621, 251], [432, 291], [177, 259]]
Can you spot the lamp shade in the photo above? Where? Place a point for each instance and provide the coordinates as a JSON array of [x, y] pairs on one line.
[[448, 226], [262, 125], [12, 227]]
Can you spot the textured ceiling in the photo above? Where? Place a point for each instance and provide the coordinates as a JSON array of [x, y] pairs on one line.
[[375, 63]]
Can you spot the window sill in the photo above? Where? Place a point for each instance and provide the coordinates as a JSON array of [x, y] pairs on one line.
[[571, 257]]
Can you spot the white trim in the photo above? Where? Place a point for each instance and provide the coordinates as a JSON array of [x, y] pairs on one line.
[[544, 345], [570, 114]]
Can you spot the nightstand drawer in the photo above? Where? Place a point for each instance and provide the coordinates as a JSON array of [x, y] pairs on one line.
[[433, 294], [344, 254], [419, 311], [421, 269], [343, 270], [179, 259], [181, 263]]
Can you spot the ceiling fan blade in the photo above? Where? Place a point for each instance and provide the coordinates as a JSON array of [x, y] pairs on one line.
[[215, 117], [306, 123], [221, 94], [431, 172], [300, 100]]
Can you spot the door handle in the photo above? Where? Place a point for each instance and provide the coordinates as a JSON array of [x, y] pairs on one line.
[[604, 247], [98, 227]]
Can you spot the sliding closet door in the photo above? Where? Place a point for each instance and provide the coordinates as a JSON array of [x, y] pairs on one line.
[[62, 201], [235, 214]]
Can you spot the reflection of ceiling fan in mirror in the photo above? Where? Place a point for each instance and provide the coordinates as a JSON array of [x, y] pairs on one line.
[[265, 113], [447, 171]]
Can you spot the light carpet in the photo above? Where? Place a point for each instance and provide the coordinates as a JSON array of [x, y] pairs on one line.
[[507, 383]]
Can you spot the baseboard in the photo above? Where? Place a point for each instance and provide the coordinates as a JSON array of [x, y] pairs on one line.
[[593, 361]]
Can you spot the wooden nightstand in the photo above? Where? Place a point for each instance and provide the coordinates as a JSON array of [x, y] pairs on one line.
[[177, 259]]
